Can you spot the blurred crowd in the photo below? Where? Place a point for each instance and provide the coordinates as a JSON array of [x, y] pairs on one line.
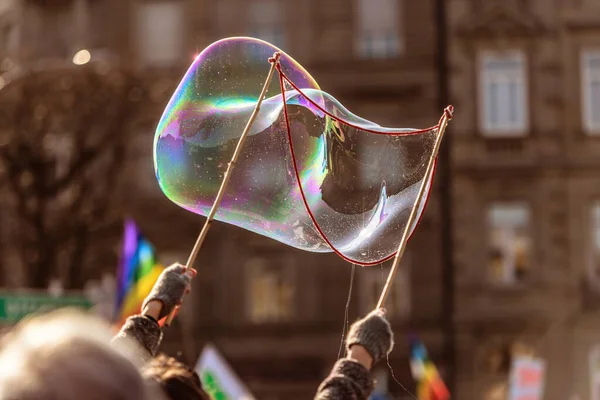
[[70, 355]]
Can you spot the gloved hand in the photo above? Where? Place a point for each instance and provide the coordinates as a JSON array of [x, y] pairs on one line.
[[172, 284], [374, 333]]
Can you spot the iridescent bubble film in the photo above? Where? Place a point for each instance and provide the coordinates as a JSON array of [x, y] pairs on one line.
[[359, 180]]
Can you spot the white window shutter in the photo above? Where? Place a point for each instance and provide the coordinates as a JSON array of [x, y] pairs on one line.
[[266, 19], [378, 31], [590, 74], [503, 94], [594, 252]]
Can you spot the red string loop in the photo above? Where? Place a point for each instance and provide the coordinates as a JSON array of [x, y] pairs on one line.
[[449, 110], [275, 58]]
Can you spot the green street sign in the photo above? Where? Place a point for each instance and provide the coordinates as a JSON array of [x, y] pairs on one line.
[[15, 306]]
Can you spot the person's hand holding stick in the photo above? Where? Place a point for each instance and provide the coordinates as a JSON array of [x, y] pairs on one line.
[[167, 294]]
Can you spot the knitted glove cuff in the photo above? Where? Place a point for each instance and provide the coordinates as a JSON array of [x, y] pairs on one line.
[[143, 331], [374, 333], [169, 289]]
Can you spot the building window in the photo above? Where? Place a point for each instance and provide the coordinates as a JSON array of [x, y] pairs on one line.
[[503, 96], [8, 38], [266, 21], [510, 242], [594, 372], [270, 291], [6, 33], [160, 32], [590, 75], [378, 31], [594, 262], [398, 304]]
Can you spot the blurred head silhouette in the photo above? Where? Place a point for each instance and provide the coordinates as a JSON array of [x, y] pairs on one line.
[[178, 381], [67, 355]]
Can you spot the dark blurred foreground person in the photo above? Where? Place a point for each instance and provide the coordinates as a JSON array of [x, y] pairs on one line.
[[178, 381], [369, 340], [66, 355]]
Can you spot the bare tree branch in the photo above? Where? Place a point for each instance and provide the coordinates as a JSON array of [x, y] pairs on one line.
[[63, 138]]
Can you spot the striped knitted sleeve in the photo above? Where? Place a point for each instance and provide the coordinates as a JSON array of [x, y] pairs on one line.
[[142, 330], [349, 380]]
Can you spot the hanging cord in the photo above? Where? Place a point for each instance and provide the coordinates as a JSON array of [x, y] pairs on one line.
[[411, 394], [387, 357], [345, 327]]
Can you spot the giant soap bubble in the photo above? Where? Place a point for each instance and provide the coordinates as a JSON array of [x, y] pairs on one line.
[[321, 179]]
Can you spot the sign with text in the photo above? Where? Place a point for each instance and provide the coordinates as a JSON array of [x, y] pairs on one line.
[[14, 306], [527, 379]]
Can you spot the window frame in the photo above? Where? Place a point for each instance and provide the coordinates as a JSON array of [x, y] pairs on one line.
[[276, 32], [506, 280], [594, 372], [139, 29], [9, 30], [587, 77], [593, 281], [285, 273], [509, 129], [362, 37]]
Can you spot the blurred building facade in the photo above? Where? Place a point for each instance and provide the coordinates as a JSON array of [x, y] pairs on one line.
[[277, 314], [524, 79]]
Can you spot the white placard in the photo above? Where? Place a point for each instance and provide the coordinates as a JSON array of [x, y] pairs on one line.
[[217, 375], [527, 379]]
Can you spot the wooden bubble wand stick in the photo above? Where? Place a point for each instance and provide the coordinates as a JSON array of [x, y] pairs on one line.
[[238, 149], [448, 113]]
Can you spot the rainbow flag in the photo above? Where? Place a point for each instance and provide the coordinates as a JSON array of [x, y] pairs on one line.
[[137, 272], [430, 385]]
